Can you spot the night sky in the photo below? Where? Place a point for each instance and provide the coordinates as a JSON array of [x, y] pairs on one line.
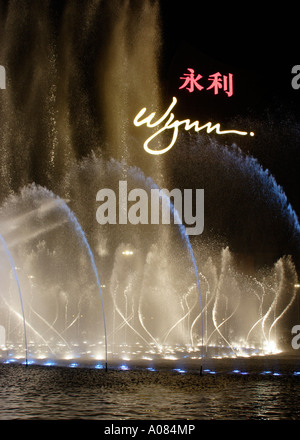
[[258, 46]]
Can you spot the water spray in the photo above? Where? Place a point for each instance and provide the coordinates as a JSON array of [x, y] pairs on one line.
[[20, 293], [82, 236]]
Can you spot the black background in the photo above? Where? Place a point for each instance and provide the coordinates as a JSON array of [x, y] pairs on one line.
[[258, 44]]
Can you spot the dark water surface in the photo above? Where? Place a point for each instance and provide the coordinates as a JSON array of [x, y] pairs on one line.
[[269, 391]]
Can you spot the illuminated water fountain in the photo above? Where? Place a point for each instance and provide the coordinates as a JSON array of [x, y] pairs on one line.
[[150, 306], [73, 291]]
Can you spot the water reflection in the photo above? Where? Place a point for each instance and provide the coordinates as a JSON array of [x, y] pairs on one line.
[[66, 393]]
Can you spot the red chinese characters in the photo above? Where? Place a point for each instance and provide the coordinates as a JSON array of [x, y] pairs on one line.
[[189, 79], [218, 81]]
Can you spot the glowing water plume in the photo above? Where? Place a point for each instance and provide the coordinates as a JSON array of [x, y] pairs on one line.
[[23, 238], [51, 327], [187, 242], [13, 268], [288, 280], [186, 315], [61, 204], [136, 176], [149, 261], [176, 324], [131, 74], [72, 322], [82, 236], [235, 325], [260, 300], [20, 317], [124, 316], [225, 261], [248, 299]]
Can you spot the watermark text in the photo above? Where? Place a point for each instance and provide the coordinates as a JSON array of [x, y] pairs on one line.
[[139, 207], [296, 338]]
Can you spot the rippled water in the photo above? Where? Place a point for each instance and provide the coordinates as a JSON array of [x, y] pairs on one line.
[[38, 392]]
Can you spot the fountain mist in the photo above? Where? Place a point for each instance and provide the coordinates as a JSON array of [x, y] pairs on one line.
[[66, 124]]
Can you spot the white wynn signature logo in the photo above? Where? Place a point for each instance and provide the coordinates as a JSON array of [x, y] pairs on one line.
[[174, 125]]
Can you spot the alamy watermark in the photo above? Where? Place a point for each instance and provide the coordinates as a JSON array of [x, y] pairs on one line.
[[139, 207], [296, 78], [2, 78], [296, 338]]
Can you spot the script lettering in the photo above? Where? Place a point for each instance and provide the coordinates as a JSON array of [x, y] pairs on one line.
[[174, 125]]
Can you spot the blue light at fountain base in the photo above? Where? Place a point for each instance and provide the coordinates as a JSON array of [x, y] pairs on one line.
[[132, 368]]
